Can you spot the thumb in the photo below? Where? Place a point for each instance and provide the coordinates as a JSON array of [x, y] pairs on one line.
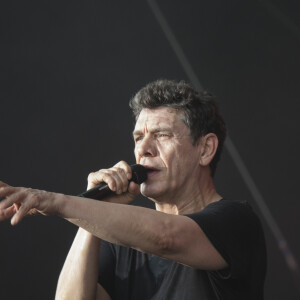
[[133, 188]]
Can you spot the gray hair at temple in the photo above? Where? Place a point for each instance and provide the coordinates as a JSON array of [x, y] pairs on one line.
[[200, 111]]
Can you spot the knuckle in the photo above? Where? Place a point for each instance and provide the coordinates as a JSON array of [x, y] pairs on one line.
[[114, 169], [122, 164], [109, 179], [90, 176], [126, 166], [118, 163], [120, 170], [107, 174], [105, 171]]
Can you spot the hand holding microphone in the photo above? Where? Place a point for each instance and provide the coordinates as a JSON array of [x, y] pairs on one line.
[[116, 180]]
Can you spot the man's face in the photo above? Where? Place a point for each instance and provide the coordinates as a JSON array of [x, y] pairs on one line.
[[163, 145]]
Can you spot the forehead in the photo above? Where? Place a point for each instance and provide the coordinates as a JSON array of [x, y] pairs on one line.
[[161, 117]]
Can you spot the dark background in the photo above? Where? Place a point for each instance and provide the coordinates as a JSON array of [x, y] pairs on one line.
[[68, 69]]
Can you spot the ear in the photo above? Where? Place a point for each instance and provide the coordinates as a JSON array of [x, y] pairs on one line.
[[208, 146]]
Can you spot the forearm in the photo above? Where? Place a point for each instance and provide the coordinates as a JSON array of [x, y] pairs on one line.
[[78, 278], [131, 226]]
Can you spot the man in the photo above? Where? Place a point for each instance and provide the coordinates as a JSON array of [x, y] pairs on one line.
[[196, 245]]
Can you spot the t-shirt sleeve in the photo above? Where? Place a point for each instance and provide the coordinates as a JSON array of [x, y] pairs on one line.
[[107, 261], [234, 230]]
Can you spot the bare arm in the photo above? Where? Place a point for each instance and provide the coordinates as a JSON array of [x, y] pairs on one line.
[[78, 278], [173, 237]]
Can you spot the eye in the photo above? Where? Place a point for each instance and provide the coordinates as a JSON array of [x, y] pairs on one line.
[[138, 138], [163, 135]]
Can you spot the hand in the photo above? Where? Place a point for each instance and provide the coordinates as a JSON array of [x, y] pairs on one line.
[[19, 202], [117, 178]]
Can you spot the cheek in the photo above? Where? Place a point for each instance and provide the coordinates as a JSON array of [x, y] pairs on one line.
[[136, 154], [180, 160], [171, 157]]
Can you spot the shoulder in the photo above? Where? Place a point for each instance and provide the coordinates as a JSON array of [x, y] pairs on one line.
[[226, 212], [230, 222], [227, 205]]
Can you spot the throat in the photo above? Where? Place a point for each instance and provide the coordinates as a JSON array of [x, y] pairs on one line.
[[167, 208]]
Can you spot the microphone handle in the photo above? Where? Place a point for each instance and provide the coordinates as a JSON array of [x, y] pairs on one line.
[[98, 192]]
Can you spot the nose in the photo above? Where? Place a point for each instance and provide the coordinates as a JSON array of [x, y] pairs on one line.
[[145, 147]]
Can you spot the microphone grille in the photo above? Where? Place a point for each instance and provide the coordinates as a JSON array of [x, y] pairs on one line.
[[139, 173]]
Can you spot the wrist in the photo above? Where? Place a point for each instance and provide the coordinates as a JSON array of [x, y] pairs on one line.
[[61, 203]]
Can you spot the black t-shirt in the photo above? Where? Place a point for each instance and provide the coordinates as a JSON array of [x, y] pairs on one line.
[[234, 230]]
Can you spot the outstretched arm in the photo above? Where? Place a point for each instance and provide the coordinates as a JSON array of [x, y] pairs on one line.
[[173, 237]]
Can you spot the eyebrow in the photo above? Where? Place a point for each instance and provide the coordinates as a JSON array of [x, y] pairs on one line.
[[156, 130]]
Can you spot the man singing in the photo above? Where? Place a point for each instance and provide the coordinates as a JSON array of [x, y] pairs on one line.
[[195, 245]]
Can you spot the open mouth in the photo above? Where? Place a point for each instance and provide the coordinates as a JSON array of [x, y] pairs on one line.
[[151, 171]]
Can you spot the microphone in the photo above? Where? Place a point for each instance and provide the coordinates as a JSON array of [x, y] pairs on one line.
[[101, 191]]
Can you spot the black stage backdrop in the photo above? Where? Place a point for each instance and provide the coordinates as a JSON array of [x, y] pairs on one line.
[[68, 69]]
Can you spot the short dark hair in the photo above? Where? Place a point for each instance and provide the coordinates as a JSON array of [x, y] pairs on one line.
[[200, 111]]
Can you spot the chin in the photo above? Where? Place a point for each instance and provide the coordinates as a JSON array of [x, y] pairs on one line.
[[150, 191]]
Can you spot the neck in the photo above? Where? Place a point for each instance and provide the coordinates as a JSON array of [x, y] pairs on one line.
[[191, 200]]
